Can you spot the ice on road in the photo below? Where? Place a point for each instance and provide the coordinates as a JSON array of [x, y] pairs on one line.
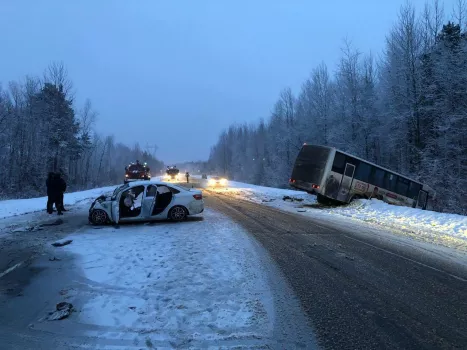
[[197, 281]]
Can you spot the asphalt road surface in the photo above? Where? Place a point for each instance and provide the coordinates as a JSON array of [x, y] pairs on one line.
[[360, 291]]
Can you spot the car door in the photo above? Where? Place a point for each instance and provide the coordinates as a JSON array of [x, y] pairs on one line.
[[149, 201], [163, 200], [115, 209]]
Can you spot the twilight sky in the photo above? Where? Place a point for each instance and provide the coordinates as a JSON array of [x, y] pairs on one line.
[[175, 73]]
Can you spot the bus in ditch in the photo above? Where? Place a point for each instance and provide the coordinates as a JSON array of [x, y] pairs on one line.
[[337, 176]]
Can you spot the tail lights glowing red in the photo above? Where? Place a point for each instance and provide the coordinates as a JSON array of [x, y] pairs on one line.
[[198, 196], [291, 180], [315, 186]]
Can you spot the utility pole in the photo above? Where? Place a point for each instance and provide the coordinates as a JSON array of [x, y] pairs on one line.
[[154, 148]]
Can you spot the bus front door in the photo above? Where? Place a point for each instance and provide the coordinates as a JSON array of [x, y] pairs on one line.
[[422, 200], [344, 189]]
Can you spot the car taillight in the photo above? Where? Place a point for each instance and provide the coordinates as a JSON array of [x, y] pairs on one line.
[[198, 196], [315, 186], [291, 180]]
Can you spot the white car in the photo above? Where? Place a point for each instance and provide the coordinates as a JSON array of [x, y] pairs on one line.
[[146, 201]]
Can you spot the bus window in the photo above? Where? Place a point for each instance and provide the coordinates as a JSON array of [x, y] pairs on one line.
[[414, 188], [402, 186], [390, 182], [363, 172], [378, 180], [339, 163]]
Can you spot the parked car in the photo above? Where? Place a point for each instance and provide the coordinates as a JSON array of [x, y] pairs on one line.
[[146, 201], [204, 176], [217, 181]]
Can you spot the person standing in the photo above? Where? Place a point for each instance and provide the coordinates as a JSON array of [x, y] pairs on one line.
[[53, 193], [187, 175], [62, 189]]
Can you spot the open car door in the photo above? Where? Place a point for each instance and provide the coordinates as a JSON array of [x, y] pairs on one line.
[[116, 209], [163, 199]]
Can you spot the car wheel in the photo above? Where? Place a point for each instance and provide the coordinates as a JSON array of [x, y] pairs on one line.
[[178, 213], [99, 217]]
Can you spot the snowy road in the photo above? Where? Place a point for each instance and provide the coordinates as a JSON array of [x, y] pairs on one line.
[[362, 289], [199, 284], [246, 274]]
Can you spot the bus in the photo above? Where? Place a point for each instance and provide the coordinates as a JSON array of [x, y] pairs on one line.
[[337, 176]]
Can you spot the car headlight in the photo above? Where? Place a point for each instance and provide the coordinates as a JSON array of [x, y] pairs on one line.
[[211, 182], [223, 181]]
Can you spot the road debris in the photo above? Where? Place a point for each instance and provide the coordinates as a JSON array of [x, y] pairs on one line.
[[63, 310], [62, 243], [292, 199]]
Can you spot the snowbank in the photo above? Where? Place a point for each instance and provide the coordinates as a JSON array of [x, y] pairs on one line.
[[15, 207], [403, 219]]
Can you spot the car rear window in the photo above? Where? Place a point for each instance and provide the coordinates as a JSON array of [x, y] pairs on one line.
[[173, 190]]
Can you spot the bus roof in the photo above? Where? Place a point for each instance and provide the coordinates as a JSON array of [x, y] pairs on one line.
[[376, 165]]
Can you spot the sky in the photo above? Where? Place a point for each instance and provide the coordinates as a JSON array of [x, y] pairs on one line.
[[176, 73]]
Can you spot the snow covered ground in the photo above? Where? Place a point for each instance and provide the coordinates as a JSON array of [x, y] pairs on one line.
[[447, 229], [16, 207], [195, 283]]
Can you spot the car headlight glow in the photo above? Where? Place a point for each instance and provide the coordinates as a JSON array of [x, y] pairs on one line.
[[211, 182], [223, 181]]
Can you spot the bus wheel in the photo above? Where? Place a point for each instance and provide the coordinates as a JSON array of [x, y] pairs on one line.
[[322, 199]]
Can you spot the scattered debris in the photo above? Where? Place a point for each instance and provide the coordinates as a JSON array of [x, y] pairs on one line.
[[292, 199], [63, 310], [62, 243], [132, 307], [149, 275], [301, 210], [54, 259]]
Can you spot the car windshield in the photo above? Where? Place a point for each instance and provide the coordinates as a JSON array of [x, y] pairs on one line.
[[118, 189]]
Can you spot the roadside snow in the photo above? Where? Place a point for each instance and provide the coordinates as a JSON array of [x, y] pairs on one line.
[[448, 229], [180, 283], [16, 207]]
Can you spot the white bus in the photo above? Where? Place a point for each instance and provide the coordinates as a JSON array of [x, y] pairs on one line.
[[335, 175]]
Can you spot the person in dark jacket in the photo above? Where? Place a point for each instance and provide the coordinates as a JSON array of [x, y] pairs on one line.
[[53, 193], [62, 189]]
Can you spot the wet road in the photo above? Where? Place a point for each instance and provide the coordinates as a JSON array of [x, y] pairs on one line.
[[360, 291]]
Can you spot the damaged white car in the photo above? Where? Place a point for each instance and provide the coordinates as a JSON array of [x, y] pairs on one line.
[[146, 201]]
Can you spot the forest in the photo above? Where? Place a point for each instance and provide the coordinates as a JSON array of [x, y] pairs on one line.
[[42, 129], [404, 108]]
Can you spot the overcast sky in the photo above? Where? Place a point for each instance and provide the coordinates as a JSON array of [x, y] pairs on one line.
[[175, 73]]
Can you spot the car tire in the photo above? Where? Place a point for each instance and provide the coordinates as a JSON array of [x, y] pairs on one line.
[[178, 213], [99, 217]]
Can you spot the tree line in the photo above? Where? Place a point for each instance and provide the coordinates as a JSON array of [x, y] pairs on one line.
[[405, 110], [42, 130]]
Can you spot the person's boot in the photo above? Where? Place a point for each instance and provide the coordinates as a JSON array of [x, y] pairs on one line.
[[60, 213]]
